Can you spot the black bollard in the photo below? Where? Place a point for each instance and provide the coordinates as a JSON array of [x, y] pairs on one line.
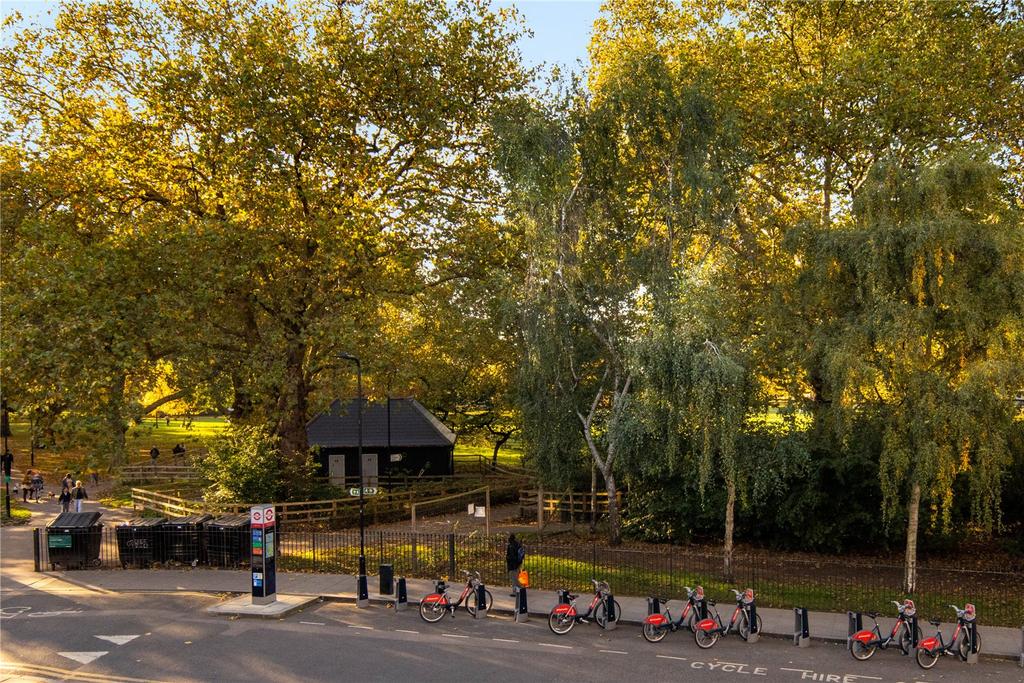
[[653, 606], [755, 635], [522, 612], [481, 601], [801, 628], [613, 616], [402, 599], [563, 597], [972, 656], [702, 609]]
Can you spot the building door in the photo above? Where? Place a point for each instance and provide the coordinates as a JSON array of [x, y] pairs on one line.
[[336, 469], [369, 469]]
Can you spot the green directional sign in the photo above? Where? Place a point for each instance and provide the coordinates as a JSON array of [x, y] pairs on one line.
[[367, 491]]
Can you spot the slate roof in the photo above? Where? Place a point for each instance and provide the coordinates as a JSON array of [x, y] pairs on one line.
[[412, 426]]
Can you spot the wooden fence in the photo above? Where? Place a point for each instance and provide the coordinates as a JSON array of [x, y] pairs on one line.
[[150, 472], [567, 506]]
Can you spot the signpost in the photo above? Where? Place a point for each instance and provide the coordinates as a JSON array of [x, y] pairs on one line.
[[367, 491], [263, 525]]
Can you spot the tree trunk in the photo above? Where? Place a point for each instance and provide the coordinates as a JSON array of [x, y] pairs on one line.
[[502, 438], [730, 524], [910, 578], [593, 497], [116, 422], [614, 536], [293, 407]]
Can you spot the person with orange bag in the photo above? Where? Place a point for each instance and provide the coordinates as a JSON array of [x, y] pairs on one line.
[[515, 553]]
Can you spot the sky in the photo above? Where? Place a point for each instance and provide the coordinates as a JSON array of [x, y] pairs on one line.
[[561, 28]]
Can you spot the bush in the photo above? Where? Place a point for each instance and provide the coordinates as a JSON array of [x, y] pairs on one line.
[[244, 464]]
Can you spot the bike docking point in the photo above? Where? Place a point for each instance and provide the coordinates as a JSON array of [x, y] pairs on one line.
[[401, 595], [613, 616], [754, 634], [481, 601], [801, 628], [522, 614], [972, 656], [854, 624], [653, 606]]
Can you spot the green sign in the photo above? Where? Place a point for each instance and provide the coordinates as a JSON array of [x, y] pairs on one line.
[[367, 491], [59, 540], [7, 479]]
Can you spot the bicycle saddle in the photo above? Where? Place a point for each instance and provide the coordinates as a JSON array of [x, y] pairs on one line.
[[711, 602], [662, 600], [873, 615], [935, 622], [571, 596]]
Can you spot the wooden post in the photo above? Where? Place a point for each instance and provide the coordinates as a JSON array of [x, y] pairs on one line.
[[540, 510], [414, 523], [487, 511], [572, 512]]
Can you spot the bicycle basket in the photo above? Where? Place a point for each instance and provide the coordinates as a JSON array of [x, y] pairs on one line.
[[969, 612], [908, 608], [748, 596], [698, 593]]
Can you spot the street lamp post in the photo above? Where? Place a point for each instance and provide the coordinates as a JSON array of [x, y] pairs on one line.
[[362, 591]]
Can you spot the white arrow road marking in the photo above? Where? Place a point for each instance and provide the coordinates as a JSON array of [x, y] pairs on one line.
[[83, 657], [118, 640]]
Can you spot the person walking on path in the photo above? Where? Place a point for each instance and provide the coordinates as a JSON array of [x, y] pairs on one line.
[[515, 553], [26, 485], [67, 482], [78, 494], [37, 484], [154, 453], [65, 499]]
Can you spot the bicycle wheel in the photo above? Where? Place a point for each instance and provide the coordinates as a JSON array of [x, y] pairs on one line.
[[601, 613], [904, 640], [705, 639], [471, 603], [861, 651], [964, 645], [432, 612], [926, 659], [744, 626], [653, 634], [561, 623]]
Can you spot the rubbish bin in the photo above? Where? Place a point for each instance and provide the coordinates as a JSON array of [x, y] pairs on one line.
[[73, 540], [137, 541], [183, 539], [227, 541]]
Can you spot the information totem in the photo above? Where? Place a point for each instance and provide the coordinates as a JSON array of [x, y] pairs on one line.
[[263, 524]]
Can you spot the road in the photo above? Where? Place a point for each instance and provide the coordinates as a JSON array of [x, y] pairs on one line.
[[77, 634]]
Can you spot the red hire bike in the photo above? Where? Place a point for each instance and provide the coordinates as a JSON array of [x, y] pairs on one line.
[[863, 644], [707, 631], [656, 626]]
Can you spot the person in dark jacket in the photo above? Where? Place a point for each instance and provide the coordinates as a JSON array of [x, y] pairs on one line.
[[78, 494], [515, 553], [65, 499]]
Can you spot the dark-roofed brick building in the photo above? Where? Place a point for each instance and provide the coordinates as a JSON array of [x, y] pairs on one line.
[[400, 437]]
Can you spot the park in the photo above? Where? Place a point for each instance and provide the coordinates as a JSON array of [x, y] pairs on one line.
[[586, 311]]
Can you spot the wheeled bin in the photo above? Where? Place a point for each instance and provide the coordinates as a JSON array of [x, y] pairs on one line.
[[73, 540], [227, 541], [183, 539], [138, 541]]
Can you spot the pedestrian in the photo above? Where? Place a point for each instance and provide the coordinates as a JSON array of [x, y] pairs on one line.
[[67, 482], [515, 553], [65, 499], [179, 451], [78, 494], [8, 462], [37, 485], [154, 453], [26, 485], [167, 420]]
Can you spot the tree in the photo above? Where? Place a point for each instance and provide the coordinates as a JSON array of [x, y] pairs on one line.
[[309, 161], [929, 278]]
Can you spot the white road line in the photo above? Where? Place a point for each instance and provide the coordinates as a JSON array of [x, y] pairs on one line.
[[82, 657], [452, 635], [564, 647], [314, 623], [118, 640], [614, 652], [365, 628], [402, 630], [505, 640], [682, 659]]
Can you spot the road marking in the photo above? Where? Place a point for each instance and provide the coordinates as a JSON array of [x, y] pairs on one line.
[[682, 659], [11, 612], [404, 630], [365, 628], [614, 652], [452, 635], [83, 657], [118, 640], [811, 675], [505, 640], [314, 623], [67, 674], [564, 647]]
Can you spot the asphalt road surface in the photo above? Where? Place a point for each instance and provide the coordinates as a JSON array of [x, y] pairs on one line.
[[84, 636]]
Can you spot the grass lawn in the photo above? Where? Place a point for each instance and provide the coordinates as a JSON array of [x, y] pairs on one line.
[[472, 454], [140, 439], [19, 513]]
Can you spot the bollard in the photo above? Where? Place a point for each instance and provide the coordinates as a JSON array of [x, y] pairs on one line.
[[522, 612], [912, 619], [754, 634], [854, 624], [387, 579], [36, 555], [653, 606], [563, 597], [702, 608], [801, 628], [972, 656], [1022, 647], [481, 601], [613, 616], [402, 597]]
